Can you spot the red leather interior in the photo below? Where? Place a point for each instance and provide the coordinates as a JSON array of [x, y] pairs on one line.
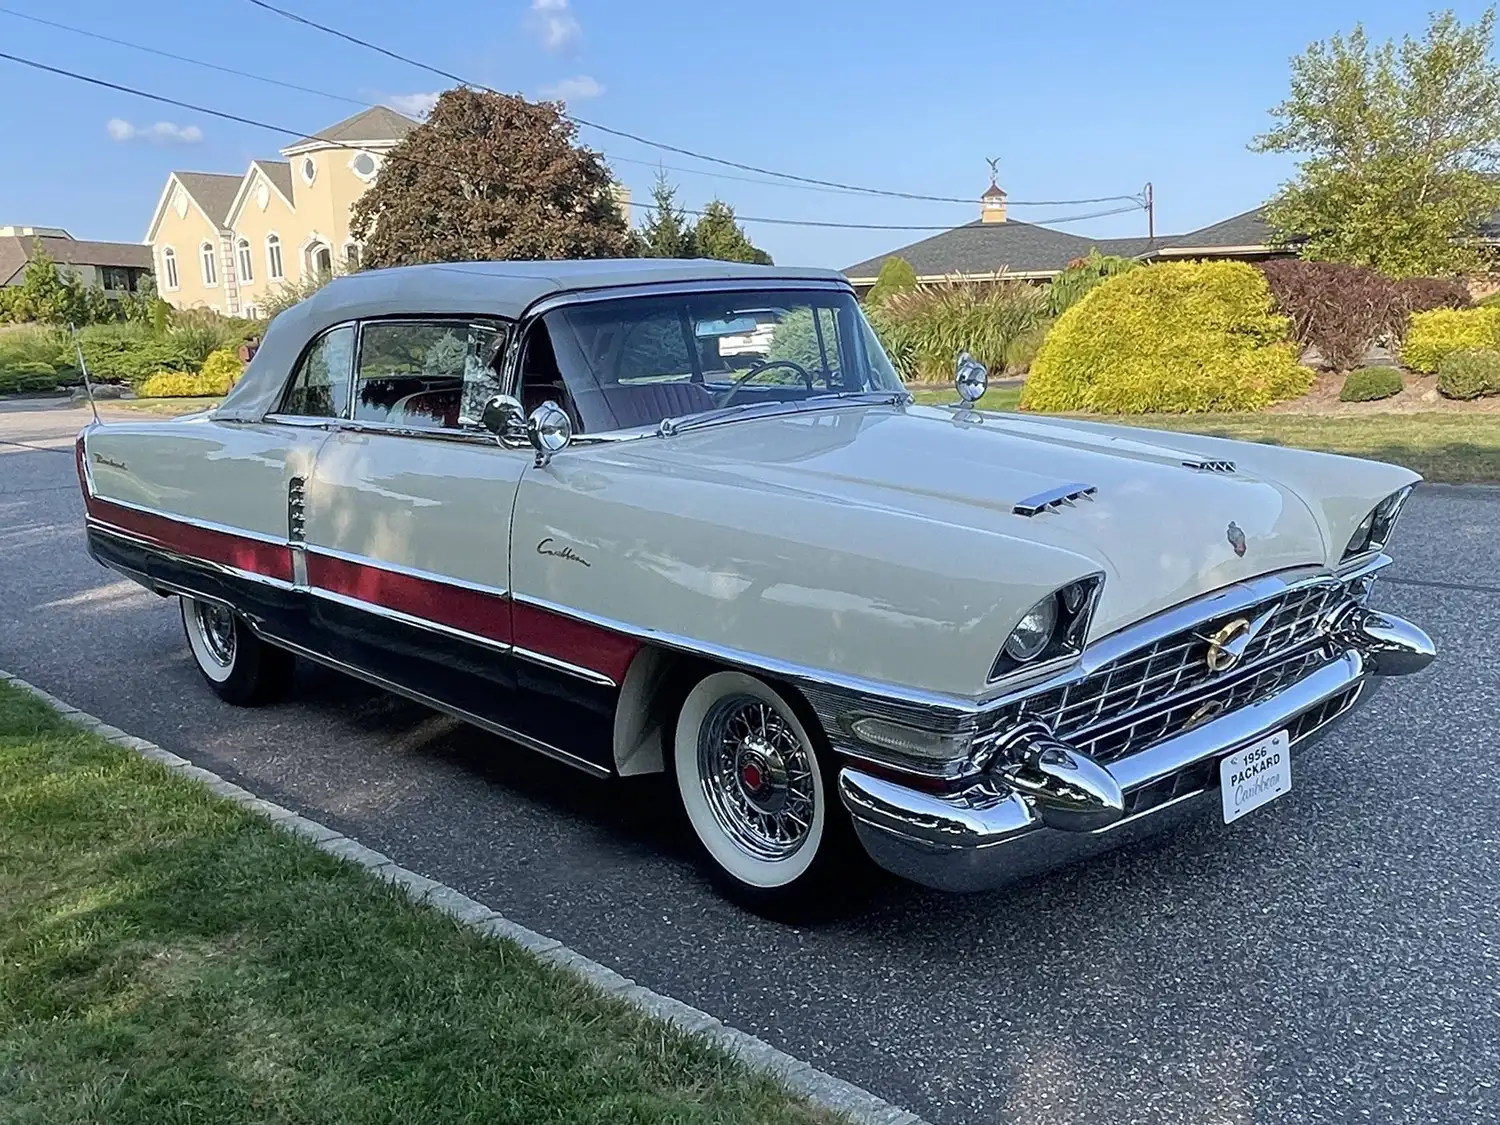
[[429, 408]]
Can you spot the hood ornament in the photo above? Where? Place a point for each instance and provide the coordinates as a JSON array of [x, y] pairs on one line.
[[1236, 538]]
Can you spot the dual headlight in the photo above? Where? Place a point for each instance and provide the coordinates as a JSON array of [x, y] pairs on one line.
[[1056, 626], [1374, 531]]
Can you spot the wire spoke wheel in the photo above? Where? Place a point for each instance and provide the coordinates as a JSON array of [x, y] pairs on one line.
[[216, 627], [756, 777]]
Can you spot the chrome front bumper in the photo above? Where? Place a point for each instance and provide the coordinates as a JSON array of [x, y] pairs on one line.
[[996, 831]]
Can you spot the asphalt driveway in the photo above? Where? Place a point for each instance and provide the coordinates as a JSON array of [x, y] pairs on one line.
[[1333, 957]]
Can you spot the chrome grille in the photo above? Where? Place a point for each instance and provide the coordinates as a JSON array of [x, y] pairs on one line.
[[1148, 694], [296, 508]]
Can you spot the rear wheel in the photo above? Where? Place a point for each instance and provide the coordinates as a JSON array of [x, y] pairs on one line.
[[758, 794], [240, 667]]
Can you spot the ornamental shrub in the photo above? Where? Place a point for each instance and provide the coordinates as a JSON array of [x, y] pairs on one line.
[[1440, 332], [1424, 293], [1469, 374], [1369, 384], [1337, 308], [128, 353], [198, 333], [923, 330], [27, 376], [1082, 274], [222, 369], [896, 276], [180, 384], [1173, 338]]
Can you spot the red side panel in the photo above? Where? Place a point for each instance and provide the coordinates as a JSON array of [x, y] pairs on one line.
[[484, 615], [270, 559], [577, 642]]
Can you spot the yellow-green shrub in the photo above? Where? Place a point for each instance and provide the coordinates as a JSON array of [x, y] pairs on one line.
[[180, 384], [222, 369], [1469, 374], [1440, 332], [1175, 338]]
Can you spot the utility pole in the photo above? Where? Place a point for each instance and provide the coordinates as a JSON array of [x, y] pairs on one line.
[[1150, 213]]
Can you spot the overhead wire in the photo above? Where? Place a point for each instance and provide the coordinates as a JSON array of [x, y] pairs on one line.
[[298, 133]]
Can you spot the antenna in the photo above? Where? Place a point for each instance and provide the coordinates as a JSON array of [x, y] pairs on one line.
[[83, 366]]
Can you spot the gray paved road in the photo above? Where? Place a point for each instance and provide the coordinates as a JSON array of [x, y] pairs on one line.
[[1334, 957]]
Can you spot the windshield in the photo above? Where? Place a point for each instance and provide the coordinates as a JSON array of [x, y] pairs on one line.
[[636, 361]]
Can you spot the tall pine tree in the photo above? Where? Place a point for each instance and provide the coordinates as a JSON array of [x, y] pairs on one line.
[[719, 235], [665, 232]]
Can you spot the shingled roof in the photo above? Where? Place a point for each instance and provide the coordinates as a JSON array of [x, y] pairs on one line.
[[16, 251], [1247, 231], [213, 192], [377, 125]]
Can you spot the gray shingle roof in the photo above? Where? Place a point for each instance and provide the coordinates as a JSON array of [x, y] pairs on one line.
[[984, 248], [1246, 229], [279, 172], [213, 192], [16, 252], [378, 123]]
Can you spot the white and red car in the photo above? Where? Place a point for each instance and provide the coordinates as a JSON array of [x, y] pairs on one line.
[[684, 517]]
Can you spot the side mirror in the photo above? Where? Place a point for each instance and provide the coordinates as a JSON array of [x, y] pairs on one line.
[[970, 377], [504, 417], [550, 431]]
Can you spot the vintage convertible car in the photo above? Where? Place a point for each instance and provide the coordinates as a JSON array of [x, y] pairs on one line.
[[684, 517]]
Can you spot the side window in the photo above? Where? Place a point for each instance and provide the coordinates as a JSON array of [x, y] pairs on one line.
[[426, 374], [320, 389]]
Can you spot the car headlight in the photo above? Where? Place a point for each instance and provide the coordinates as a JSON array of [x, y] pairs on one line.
[[1374, 531], [1055, 627], [1033, 632]]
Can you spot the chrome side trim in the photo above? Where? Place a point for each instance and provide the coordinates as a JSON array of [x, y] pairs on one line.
[[544, 305], [408, 619], [554, 752], [298, 420], [1054, 498], [1207, 465], [409, 571], [98, 525], [194, 521], [433, 433], [546, 661]]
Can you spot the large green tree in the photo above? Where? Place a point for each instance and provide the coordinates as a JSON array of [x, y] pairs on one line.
[[1399, 147], [719, 235], [490, 176], [665, 233]]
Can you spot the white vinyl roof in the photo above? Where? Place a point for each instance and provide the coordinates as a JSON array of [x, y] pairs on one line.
[[495, 289]]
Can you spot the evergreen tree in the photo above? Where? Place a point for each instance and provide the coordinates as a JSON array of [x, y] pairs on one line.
[[666, 232], [719, 235]]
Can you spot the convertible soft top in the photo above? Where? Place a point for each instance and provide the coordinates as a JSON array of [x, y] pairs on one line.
[[493, 289]]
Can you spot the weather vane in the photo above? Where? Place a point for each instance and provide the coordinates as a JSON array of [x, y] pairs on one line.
[[994, 163]]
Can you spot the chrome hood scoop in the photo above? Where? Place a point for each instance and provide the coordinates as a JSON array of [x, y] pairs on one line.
[[1162, 525]]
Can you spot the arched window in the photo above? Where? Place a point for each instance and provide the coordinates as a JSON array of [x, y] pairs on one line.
[[169, 267], [206, 257], [317, 260], [273, 258], [242, 253], [351, 256]]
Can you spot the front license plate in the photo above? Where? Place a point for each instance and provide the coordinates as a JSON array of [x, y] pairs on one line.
[[1256, 775]]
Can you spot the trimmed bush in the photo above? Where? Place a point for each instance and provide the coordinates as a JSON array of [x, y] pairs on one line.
[[1469, 374], [128, 353], [222, 368], [1338, 309], [1441, 332], [1369, 384], [180, 384], [924, 329], [896, 276], [27, 377], [1174, 338], [1425, 293]]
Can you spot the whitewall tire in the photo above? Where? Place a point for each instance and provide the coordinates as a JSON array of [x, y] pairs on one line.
[[239, 666], [754, 788]]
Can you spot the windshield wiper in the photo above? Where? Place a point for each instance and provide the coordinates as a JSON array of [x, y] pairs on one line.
[[672, 426]]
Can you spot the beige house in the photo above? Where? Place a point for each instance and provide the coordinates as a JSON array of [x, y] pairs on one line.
[[227, 242]]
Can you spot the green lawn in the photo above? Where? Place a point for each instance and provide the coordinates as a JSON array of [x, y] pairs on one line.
[[1442, 446], [166, 958]]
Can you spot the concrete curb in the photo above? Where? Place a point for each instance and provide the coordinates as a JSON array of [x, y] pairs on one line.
[[857, 1104]]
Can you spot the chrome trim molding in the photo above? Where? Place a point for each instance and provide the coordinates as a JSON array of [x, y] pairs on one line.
[[409, 571], [1207, 465], [543, 305], [101, 526], [553, 662], [194, 521], [408, 619], [1054, 498], [556, 753]]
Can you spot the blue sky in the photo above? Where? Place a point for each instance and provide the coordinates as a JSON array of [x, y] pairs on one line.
[[1077, 99]]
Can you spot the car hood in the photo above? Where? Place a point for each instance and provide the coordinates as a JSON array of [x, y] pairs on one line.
[[1161, 532]]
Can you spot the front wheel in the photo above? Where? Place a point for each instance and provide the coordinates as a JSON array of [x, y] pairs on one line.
[[760, 800], [240, 667]]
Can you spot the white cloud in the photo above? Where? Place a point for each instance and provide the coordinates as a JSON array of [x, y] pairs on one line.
[[162, 133], [413, 105], [554, 24], [573, 89]]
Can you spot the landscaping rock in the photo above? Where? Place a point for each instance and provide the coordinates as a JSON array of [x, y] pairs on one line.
[[102, 391]]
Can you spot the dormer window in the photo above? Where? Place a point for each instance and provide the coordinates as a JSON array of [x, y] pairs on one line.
[[364, 166], [309, 169]]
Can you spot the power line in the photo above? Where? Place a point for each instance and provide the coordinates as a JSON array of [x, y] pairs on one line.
[[440, 72], [180, 58], [238, 119]]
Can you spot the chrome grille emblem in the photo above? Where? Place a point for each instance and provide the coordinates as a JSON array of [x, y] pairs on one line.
[[1227, 646]]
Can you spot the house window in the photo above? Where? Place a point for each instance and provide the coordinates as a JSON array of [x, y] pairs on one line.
[[309, 169], [351, 256], [318, 261], [273, 257], [206, 257], [169, 267], [364, 166], [242, 253], [252, 312], [114, 278]]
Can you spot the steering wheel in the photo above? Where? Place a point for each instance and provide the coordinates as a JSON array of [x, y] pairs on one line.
[[734, 388]]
